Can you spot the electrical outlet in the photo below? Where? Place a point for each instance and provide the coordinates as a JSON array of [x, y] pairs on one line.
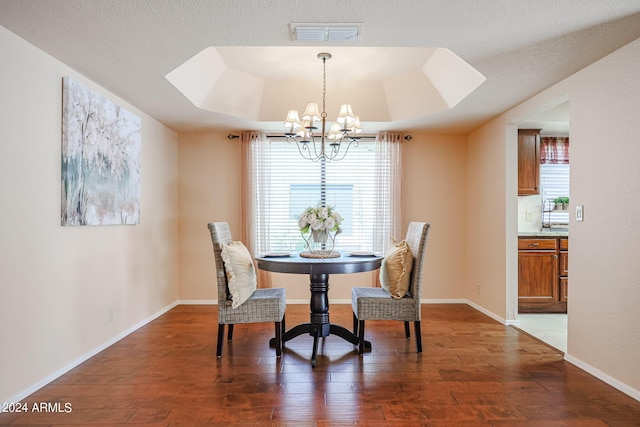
[[111, 315], [478, 288], [579, 213]]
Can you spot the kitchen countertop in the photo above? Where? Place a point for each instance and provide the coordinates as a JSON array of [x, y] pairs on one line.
[[546, 232]]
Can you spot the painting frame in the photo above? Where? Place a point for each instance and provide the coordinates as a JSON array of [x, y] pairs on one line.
[[100, 167]]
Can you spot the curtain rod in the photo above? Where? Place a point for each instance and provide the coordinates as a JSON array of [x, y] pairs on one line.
[[232, 136]]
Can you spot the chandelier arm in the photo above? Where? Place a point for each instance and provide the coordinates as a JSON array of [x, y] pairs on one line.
[[301, 148], [337, 158], [304, 150], [317, 156]]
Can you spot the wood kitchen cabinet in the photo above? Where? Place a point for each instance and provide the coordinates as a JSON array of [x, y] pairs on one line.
[[540, 287], [528, 162], [564, 270]]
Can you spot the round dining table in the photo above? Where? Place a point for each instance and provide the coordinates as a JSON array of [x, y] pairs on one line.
[[319, 270]]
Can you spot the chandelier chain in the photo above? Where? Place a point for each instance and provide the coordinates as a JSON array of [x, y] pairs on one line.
[[324, 88]]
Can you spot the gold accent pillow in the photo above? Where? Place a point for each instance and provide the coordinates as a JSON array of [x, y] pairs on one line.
[[241, 273], [395, 271]]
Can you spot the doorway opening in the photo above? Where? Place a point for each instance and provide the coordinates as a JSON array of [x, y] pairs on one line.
[[543, 230]]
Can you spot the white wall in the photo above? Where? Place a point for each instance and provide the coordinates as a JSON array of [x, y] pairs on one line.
[[604, 255], [604, 251], [57, 284], [533, 206], [209, 192], [434, 188], [491, 218]]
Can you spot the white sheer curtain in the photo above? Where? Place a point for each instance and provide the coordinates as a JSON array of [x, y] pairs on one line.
[[255, 194], [388, 193]]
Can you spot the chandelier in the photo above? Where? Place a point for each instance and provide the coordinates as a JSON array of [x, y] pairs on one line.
[[315, 144]]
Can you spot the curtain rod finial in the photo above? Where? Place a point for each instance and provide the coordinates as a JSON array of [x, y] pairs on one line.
[[408, 137], [232, 136]]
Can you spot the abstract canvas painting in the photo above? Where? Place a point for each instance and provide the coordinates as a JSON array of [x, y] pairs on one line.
[[100, 159]]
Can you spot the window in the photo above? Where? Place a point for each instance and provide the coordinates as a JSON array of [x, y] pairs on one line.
[[358, 187], [554, 176], [301, 196], [554, 180]]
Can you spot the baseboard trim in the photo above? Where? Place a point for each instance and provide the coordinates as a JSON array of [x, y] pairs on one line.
[[491, 314], [197, 302], [344, 301], [55, 375], [433, 301], [215, 302], [624, 388]]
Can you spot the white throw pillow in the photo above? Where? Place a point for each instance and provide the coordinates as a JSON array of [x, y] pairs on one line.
[[241, 273]]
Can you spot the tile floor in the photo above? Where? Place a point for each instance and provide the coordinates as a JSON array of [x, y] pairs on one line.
[[550, 328]]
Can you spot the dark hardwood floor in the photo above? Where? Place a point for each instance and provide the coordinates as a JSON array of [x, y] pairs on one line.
[[473, 371]]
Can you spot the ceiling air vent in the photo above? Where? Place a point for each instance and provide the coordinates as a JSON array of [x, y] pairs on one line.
[[326, 32]]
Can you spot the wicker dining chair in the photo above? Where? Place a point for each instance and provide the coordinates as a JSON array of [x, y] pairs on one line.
[[264, 305], [370, 303]]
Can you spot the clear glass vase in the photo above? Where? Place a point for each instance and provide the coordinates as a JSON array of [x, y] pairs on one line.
[[320, 242]]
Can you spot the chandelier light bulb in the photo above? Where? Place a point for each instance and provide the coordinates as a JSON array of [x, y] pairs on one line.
[[292, 120], [312, 113], [355, 127], [346, 117], [303, 131], [334, 132]]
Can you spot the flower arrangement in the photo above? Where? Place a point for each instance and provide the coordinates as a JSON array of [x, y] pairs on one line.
[[324, 218], [322, 222]]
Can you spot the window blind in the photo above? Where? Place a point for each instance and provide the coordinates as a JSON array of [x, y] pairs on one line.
[[287, 184], [554, 180]]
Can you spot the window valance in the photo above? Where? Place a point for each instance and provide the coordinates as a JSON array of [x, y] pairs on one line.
[[554, 150]]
